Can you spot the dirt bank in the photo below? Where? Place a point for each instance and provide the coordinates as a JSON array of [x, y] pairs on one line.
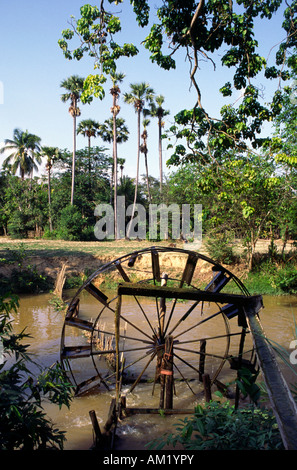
[[83, 258], [48, 256]]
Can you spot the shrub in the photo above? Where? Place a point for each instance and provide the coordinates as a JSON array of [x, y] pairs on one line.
[[220, 250], [28, 281], [219, 426], [23, 424], [17, 225], [70, 224], [286, 279]]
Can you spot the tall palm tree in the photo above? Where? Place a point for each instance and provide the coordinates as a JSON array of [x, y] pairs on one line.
[[157, 110], [106, 130], [51, 154], [144, 150], [106, 133], [24, 152], [116, 78], [140, 94], [74, 86], [89, 128], [121, 162]]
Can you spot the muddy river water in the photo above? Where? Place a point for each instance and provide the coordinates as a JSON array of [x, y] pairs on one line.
[[45, 324]]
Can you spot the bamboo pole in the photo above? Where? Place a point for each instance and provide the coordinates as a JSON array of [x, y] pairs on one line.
[[282, 402]]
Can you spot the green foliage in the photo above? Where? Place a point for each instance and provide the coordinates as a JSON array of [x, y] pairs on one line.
[[206, 28], [241, 195], [23, 424], [286, 279], [24, 206], [24, 150], [220, 249], [96, 29], [246, 382], [219, 426], [25, 277], [70, 224]]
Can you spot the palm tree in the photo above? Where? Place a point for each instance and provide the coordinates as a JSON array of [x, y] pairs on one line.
[[25, 152], [115, 109], [121, 162], [52, 154], [89, 128], [139, 95], [144, 150], [156, 110], [106, 130], [122, 135], [74, 86]]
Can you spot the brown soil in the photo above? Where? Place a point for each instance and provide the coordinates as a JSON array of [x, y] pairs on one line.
[[48, 256]]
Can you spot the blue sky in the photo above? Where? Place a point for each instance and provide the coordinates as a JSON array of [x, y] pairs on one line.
[[32, 67]]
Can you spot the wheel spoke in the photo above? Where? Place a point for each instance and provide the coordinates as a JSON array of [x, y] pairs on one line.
[[124, 336], [185, 362], [207, 338], [142, 372], [193, 306], [186, 278], [199, 353], [186, 381], [113, 351], [198, 324], [144, 314], [127, 279], [134, 326]]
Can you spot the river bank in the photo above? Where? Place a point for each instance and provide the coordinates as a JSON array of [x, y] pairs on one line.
[[32, 265]]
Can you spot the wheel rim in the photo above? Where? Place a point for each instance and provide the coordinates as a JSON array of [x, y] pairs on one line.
[[142, 337]]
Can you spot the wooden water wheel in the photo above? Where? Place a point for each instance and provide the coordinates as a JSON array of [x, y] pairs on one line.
[[171, 318]]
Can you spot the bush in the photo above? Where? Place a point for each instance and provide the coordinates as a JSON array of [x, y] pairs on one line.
[[28, 281], [219, 426], [220, 250], [286, 279], [70, 224], [49, 235], [17, 226], [23, 424]]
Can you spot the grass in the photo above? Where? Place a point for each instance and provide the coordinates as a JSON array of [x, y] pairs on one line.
[[261, 281], [53, 248]]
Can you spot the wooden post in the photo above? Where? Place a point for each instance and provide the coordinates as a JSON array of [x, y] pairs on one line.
[[164, 278], [96, 426], [117, 339], [163, 304], [123, 406], [162, 385], [237, 393], [202, 359], [166, 375], [60, 281], [282, 402], [207, 387], [168, 363]]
